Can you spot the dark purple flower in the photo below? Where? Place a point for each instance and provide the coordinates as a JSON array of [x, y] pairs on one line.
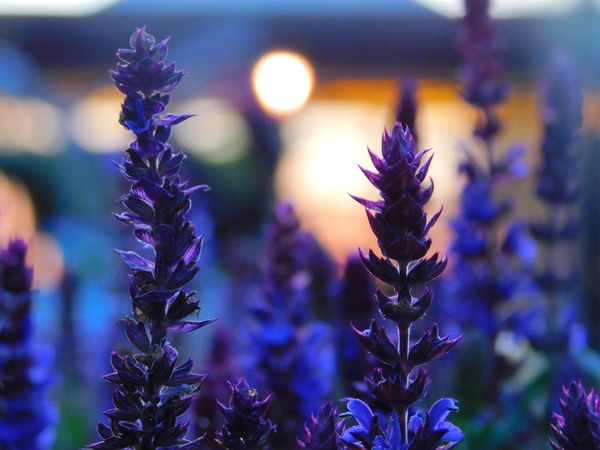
[[27, 417], [323, 431], [246, 424], [577, 425], [401, 225], [152, 391]]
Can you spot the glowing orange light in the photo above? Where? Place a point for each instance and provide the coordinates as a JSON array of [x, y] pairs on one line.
[[282, 81]]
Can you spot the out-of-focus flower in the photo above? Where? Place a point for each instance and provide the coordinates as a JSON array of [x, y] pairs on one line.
[[292, 355], [27, 417], [354, 306], [558, 189], [577, 425], [246, 424], [481, 47], [152, 391], [493, 254], [400, 222], [223, 366], [406, 112]]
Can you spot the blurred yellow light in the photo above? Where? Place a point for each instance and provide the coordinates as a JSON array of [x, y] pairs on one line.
[[282, 81], [17, 214], [31, 125], [217, 134], [94, 122], [48, 262], [323, 146]]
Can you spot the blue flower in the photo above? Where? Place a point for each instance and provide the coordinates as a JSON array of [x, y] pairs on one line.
[[426, 430]]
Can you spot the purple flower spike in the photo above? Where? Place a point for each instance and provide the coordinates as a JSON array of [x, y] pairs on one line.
[[152, 390], [27, 418], [401, 225], [493, 255], [577, 425], [246, 427]]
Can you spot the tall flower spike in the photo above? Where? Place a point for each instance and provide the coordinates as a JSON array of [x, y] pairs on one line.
[[151, 390], [399, 221], [577, 425], [492, 254], [558, 183], [246, 424], [292, 357], [27, 417]]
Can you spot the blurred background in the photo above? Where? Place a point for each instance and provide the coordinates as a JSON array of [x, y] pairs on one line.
[[287, 96]]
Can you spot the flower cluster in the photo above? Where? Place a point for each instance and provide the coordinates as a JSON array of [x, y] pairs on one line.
[[399, 221], [152, 391], [558, 183], [577, 425], [26, 415], [379, 432], [246, 425], [293, 358]]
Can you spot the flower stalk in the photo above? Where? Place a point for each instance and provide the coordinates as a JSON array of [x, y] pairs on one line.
[[151, 390], [399, 221]]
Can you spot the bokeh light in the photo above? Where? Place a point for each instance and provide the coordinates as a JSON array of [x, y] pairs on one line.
[[323, 145], [282, 81], [94, 122], [217, 134], [18, 220], [48, 262], [17, 213], [31, 125]]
